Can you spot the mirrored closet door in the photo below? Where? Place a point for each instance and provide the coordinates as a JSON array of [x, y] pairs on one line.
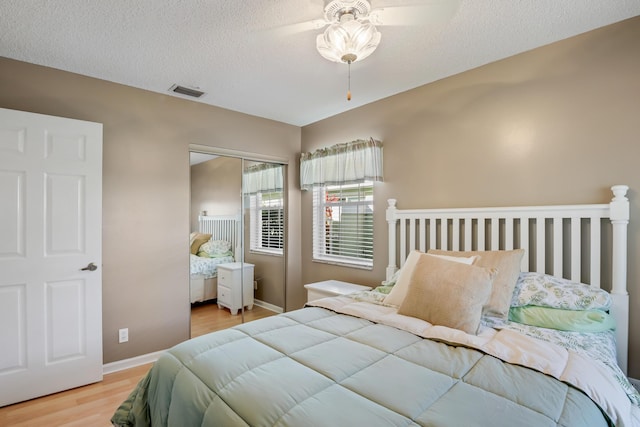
[[237, 240]]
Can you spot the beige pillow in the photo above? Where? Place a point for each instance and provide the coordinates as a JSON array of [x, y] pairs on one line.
[[508, 265], [196, 240], [399, 290], [448, 293]]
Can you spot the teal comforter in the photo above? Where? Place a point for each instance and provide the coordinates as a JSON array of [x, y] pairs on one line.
[[315, 367]]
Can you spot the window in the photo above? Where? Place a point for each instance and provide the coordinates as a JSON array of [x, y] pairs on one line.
[[343, 224], [267, 222], [341, 177]]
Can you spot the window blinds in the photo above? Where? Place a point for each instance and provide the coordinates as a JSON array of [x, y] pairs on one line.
[[343, 224]]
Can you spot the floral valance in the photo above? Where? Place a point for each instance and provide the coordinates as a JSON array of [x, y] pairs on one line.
[[263, 178], [350, 163]]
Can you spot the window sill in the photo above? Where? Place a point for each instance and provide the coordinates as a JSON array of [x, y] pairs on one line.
[[267, 253], [360, 266]]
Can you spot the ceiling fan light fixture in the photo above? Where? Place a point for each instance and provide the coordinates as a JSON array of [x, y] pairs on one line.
[[348, 38]]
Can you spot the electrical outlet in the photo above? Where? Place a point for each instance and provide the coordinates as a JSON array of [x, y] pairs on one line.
[[123, 335]]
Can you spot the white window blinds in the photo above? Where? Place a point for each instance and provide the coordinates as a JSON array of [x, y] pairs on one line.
[[266, 222], [263, 185], [343, 224]]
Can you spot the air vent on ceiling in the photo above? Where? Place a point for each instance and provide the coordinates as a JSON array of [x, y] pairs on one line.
[[182, 90]]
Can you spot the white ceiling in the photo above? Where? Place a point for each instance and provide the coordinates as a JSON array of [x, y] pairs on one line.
[[248, 57], [196, 158]]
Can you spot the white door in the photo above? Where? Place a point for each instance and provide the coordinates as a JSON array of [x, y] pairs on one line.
[[50, 229]]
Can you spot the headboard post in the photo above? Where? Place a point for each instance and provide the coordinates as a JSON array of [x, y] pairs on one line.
[[619, 216], [392, 220]]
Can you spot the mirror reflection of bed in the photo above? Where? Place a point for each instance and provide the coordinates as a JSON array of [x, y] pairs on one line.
[[217, 222]]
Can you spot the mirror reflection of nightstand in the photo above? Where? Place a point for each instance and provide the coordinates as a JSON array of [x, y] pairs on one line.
[[230, 278]]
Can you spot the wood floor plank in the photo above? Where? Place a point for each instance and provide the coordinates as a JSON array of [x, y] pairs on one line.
[[208, 317], [94, 404]]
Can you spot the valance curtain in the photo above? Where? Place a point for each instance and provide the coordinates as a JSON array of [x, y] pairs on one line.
[[263, 178], [350, 163]]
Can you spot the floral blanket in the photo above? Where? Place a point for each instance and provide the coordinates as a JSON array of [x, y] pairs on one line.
[[206, 266]]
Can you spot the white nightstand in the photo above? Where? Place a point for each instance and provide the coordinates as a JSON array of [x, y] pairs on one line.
[[332, 288], [230, 278]]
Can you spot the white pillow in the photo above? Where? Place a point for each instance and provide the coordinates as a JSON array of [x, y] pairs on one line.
[[399, 290]]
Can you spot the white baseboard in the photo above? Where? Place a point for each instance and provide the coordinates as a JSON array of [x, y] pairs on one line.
[[268, 306], [120, 365], [634, 382]]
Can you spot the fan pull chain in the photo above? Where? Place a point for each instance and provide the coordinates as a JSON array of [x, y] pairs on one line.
[[349, 58], [349, 82]]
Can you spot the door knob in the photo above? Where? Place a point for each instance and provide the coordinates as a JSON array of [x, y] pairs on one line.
[[90, 267]]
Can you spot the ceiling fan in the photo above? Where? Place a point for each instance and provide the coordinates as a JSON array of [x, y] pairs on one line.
[[351, 34], [358, 19]]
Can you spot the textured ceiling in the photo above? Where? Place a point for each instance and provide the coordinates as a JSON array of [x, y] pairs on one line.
[[248, 56]]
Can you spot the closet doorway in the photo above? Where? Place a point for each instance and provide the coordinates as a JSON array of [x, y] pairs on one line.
[[237, 238]]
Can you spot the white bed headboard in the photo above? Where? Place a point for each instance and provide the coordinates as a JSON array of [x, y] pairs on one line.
[[223, 227], [565, 241]]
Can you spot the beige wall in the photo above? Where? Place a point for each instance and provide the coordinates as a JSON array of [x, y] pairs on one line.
[[146, 227], [269, 273], [215, 187], [559, 124]]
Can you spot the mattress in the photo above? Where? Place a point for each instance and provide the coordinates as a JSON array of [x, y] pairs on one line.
[[355, 363], [206, 267]]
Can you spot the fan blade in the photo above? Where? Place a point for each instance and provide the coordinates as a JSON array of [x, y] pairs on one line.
[[297, 28], [434, 13]]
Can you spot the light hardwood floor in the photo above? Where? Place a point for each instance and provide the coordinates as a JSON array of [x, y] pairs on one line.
[[206, 318], [93, 405]]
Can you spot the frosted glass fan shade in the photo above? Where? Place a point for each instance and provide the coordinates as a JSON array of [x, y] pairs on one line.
[[343, 40]]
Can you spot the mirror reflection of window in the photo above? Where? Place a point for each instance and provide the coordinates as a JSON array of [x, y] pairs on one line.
[[267, 222], [263, 186]]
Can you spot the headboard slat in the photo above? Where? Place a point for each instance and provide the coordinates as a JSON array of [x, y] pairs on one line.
[[594, 255], [540, 240], [576, 249], [558, 235], [455, 238], [403, 241], [524, 242], [495, 237], [508, 230], [482, 223], [468, 238], [432, 232], [412, 234]]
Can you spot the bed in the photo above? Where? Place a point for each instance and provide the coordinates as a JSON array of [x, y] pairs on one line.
[[365, 359], [216, 242]]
